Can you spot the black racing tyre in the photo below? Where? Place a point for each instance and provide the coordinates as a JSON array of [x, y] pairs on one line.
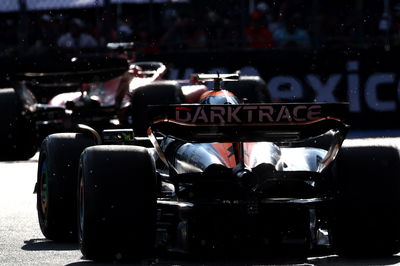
[[252, 88], [367, 210], [17, 134], [159, 92], [117, 203], [57, 183]]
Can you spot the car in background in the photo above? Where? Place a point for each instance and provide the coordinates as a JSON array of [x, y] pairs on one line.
[[90, 90]]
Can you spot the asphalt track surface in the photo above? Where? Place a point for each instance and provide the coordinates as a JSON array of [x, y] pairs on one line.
[[21, 242]]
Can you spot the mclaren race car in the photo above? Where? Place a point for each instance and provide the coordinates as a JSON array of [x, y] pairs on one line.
[[215, 173], [49, 95]]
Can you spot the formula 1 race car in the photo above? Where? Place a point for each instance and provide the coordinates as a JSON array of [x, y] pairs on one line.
[[217, 173], [90, 90]]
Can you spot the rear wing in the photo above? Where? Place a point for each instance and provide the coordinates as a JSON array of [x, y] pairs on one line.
[[247, 122]]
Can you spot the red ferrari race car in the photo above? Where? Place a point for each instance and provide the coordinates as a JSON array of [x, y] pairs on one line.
[[90, 90], [220, 174]]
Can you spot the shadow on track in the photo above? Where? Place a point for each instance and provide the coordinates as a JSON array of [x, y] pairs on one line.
[[90, 263], [335, 260], [326, 261], [220, 259], [44, 244], [248, 259]]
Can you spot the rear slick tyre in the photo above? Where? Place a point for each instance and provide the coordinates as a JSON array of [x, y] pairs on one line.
[[57, 184], [367, 210], [18, 138], [117, 203], [158, 92]]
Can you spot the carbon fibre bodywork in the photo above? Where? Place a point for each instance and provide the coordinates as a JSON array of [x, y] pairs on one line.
[[218, 203], [231, 177]]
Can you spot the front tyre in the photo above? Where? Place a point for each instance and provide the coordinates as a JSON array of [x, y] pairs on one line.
[[117, 203]]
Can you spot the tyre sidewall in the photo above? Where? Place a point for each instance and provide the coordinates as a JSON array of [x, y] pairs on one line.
[[119, 203], [60, 154]]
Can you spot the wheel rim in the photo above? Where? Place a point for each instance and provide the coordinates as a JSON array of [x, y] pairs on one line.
[[44, 189]]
